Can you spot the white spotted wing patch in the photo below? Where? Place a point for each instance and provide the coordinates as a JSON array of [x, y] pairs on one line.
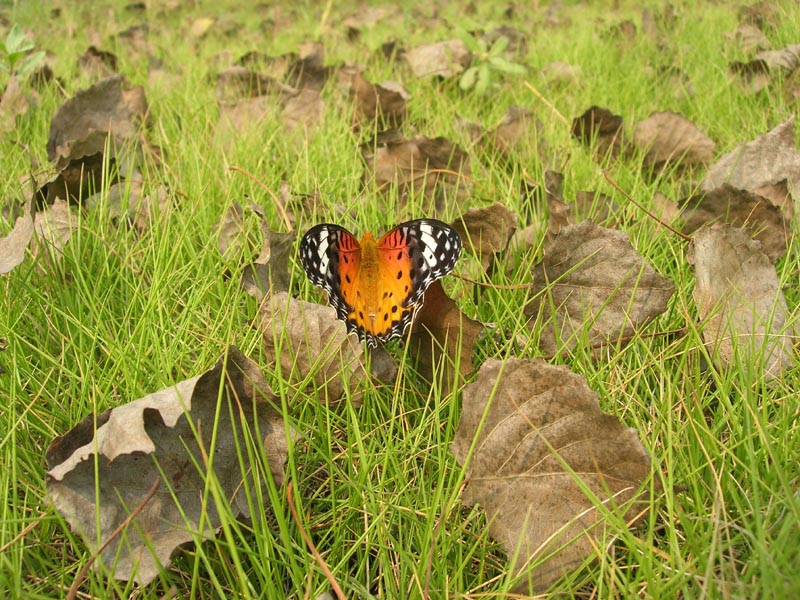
[[321, 251], [432, 247]]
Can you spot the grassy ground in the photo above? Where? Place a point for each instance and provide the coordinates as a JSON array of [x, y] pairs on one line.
[[124, 314]]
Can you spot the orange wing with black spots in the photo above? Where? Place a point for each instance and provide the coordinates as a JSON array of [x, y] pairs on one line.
[[375, 286]]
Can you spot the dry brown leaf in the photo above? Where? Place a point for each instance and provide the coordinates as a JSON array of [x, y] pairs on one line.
[[312, 349], [603, 128], [377, 106], [408, 163], [239, 237], [53, 226], [670, 139], [593, 283], [97, 64], [753, 75], [739, 298], [81, 125], [80, 178], [542, 441], [486, 231], [561, 74], [740, 208], [442, 337], [13, 246], [442, 59], [750, 38], [786, 59], [102, 469], [13, 104], [264, 98], [269, 272], [768, 160]]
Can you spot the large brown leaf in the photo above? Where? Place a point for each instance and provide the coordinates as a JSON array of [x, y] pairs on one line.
[[443, 337], [312, 349], [740, 301], [669, 138], [12, 246], [430, 166], [592, 281], [740, 208], [486, 231], [101, 470], [545, 457], [768, 165]]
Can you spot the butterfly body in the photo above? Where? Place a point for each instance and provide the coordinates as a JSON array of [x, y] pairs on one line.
[[376, 285]]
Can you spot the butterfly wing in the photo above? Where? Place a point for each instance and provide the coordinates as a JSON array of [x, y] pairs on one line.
[[376, 295], [331, 257], [412, 255]]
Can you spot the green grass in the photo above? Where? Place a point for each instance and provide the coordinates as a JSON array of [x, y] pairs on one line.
[[123, 314]]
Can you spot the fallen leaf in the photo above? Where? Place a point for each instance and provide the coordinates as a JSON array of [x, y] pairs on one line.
[[739, 298], [766, 161], [670, 139], [13, 246], [311, 349], [80, 178], [53, 226], [269, 272], [764, 15], [601, 129], [786, 59], [235, 83], [14, 103], [740, 208], [442, 59], [201, 26], [376, 106], [561, 74], [593, 284], [750, 38], [101, 470], [753, 75], [308, 71], [442, 338], [545, 457], [98, 64], [408, 164], [486, 231], [82, 125]]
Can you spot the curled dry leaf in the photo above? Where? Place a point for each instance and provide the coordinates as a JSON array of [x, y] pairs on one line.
[[486, 231], [269, 270], [54, 226], [312, 349], [408, 163], [14, 103], [12, 246], [296, 109], [740, 208], [377, 106], [442, 59], [738, 294], [101, 470], [545, 457], [768, 165], [593, 283], [442, 337], [603, 128], [81, 124], [671, 139]]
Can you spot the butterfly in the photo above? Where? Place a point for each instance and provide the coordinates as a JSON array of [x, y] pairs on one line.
[[376, 285]]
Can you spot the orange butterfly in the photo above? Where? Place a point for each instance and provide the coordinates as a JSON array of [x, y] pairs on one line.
[[375, 286]]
